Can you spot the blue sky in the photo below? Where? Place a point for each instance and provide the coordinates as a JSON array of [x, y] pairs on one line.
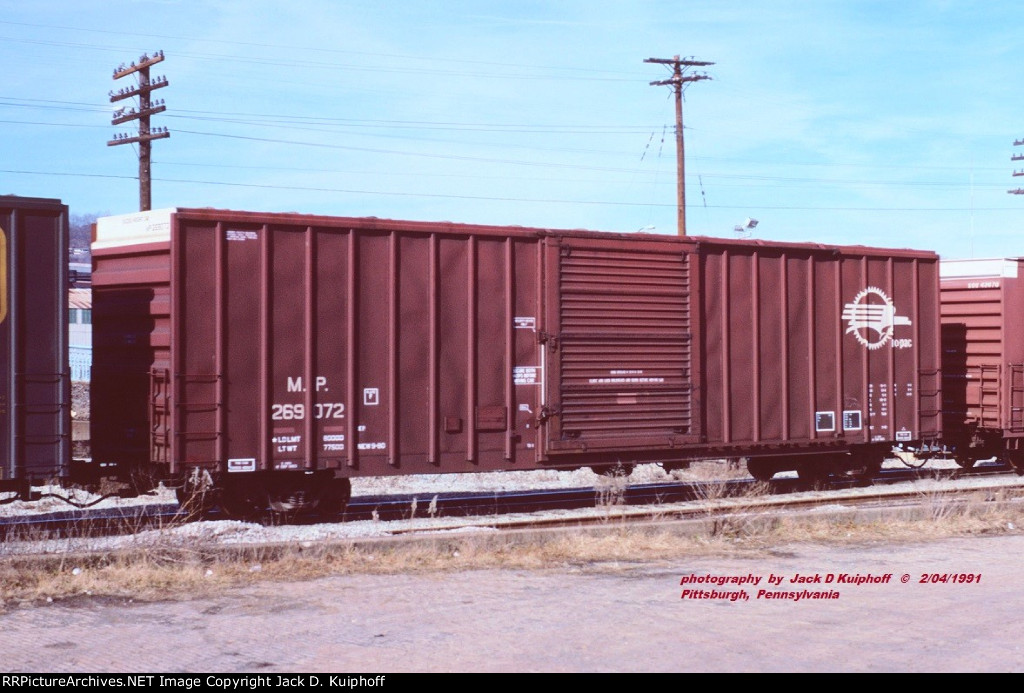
[[851, 121]]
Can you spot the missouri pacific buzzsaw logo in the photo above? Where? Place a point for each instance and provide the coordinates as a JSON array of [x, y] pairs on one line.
[[871, 318]]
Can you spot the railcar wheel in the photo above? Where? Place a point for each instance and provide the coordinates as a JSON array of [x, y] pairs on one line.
[[291, 494], [761, 470], [290, 502]]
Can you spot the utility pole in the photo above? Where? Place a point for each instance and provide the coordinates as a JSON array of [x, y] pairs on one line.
[[147, 108], [677, 82], [1017, 157]]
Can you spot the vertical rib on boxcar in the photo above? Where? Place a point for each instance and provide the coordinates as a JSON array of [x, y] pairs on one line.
[[35, 389]]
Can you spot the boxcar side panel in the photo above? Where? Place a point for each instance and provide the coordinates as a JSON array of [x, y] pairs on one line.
[[131, 372], [812, 346], [983, 346], [35, 394], [361, 345]]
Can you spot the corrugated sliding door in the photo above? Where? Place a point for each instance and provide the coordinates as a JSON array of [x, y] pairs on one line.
[[623, 348]]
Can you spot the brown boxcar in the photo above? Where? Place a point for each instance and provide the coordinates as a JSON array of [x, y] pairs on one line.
[[35, 389], [242, 348], [983, 358]]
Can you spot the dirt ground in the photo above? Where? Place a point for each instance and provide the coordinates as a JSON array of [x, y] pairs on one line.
[[613, 617]]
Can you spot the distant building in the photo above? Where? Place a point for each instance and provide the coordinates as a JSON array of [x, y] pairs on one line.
[[80, 274], [80, 334]]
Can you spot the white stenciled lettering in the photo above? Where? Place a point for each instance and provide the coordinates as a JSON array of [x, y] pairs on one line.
[[330, 410], [287, 412], [321, 410], [296, 384]]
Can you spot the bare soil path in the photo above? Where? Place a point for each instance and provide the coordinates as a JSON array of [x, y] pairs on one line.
[[601, 617]]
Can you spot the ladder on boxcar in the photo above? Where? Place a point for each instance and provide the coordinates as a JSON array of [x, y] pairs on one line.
[[1016, 378], [989, 401]]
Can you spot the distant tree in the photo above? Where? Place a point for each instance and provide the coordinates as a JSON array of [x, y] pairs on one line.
[[80, 226]]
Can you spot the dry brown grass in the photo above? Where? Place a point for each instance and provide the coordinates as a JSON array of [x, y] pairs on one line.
[[173, 570]]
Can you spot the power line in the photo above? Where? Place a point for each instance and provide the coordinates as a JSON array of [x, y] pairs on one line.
[[402, 68], [487, 198], [709, 175], [584, 129], [318, 49], [741, 179], [374, 150], [242, 117]]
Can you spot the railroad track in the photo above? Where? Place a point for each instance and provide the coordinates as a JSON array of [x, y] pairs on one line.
[[540, 508], [409, 506], [746, 498]]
